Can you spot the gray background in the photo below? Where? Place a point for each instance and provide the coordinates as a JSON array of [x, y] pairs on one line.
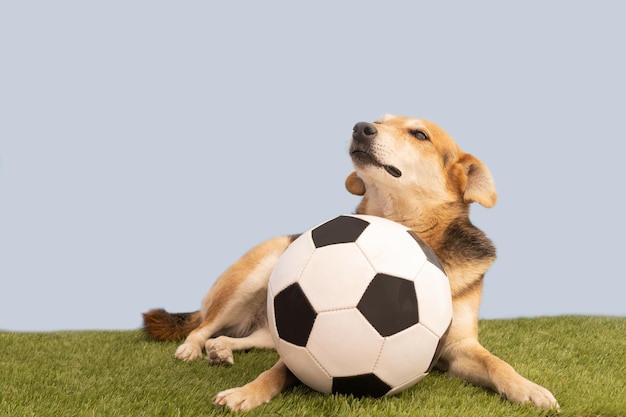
[[144, 146]]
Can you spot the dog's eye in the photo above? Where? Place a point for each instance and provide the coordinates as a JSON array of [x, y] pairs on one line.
[[419, 134]]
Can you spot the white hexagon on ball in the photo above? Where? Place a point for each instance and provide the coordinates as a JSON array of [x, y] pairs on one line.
[[298, 254], [344, 343], [375, 241], [345, 273], [406, 355], [433, 293]]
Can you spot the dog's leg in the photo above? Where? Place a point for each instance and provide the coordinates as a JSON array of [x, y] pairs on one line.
[[465, 357], [260, 391], [192, 347], [236, 296], [477, 365], [220, 350]]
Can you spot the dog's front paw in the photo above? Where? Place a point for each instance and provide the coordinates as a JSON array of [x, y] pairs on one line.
[[218, 353], [188, 352], [240, 399], [529, 392]]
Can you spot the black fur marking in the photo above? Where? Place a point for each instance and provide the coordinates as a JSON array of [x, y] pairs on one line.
[[180, 318], [294, 237], [464, 242]]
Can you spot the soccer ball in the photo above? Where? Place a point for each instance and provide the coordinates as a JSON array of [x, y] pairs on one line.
[[359, 305]]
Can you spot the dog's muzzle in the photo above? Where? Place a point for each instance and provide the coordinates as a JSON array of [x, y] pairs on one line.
[[361, 150]]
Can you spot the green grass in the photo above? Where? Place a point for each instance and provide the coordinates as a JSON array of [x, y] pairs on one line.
[[582, 360]]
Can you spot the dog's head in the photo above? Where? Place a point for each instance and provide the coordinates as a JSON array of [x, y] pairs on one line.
[[398, 157]]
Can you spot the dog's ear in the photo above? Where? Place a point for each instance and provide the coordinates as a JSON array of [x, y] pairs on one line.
[[476, 182], [354, 184]]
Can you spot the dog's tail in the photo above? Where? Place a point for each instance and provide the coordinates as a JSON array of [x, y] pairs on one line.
[[160, 325]]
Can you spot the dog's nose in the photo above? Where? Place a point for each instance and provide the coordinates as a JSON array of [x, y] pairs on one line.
[[363, 131]]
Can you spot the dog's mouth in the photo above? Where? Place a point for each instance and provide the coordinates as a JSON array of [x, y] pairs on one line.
[[362, 157]]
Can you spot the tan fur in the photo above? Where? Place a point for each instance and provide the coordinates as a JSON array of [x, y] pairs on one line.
[[407, 170]]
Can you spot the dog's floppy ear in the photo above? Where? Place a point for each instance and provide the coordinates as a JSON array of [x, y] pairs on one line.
[[354, 184], [476, 182]]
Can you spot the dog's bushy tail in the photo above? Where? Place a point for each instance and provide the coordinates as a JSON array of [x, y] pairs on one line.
[[160, 325]]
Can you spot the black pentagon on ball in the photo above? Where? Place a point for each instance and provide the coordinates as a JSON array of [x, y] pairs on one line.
[[342, 229], [294, 315], [430, 254], [365, 385], [389, 304]]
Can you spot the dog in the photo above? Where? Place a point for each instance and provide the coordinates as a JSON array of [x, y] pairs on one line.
[[407, 170]]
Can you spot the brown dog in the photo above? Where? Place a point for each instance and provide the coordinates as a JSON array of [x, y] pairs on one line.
[[407, 170]]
